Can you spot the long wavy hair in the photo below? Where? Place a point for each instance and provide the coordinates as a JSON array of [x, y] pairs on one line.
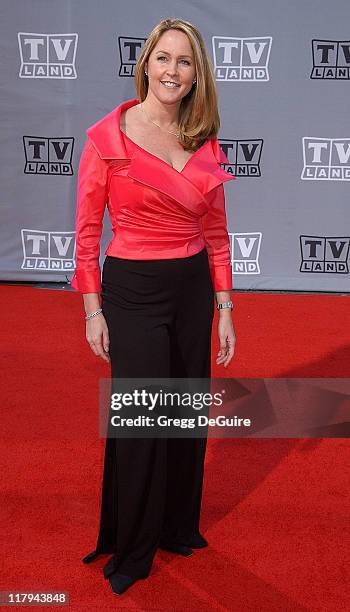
[[198, 114]]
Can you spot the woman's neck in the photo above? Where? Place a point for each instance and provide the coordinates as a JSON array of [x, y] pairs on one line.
[[166, 115]]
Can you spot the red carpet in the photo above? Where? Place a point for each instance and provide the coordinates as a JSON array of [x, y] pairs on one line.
[[276, 512]]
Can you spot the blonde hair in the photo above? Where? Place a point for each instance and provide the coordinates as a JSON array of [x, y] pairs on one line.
[[198, 114]]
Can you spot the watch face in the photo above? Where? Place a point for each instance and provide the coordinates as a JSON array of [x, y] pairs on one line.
[[225, 305]]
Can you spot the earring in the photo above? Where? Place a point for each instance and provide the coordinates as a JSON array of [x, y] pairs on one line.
[[146, 73], [194, 81]]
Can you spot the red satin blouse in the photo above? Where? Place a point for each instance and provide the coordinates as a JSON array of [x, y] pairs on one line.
[[156, 212]]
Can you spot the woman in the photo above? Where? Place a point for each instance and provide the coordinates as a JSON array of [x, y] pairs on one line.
[[156, 160]]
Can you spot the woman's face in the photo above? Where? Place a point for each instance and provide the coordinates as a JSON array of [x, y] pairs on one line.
[[171, 61]]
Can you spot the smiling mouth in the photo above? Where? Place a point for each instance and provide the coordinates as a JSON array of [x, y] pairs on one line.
[[170, 84]]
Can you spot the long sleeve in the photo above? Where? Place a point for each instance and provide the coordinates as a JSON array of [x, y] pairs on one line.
[[92, 196], [216, 238]]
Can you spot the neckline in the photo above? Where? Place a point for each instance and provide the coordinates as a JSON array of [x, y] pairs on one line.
[[152, 154]]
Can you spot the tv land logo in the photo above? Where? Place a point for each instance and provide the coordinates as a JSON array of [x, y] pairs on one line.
[[48, 250], [245, 250], [330, 59], [129, 50], [326, 159], [327, 254], [48, 155], [47, 56], [241, 59], [244, 156]]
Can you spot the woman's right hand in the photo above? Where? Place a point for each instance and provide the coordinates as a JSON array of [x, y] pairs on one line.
[[98, 337]]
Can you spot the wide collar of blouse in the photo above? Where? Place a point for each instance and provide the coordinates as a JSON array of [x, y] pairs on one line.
[[201, 173]]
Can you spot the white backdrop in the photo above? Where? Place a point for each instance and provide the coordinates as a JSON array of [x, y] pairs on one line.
[[282, 74]]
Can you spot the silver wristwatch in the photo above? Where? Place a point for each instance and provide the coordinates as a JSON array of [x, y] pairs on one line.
[[225, 305]]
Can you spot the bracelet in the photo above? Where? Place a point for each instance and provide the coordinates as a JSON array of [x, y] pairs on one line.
[[93, 314], [225, 305]]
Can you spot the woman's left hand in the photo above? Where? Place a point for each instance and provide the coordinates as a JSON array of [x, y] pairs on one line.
[[227, 338]]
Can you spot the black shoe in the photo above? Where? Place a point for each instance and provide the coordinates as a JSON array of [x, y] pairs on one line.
[[178, 549], [109, 568], [197, 541], [91, 557], [120, 582]]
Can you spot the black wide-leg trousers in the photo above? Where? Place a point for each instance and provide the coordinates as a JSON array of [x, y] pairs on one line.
[[159, 315]]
